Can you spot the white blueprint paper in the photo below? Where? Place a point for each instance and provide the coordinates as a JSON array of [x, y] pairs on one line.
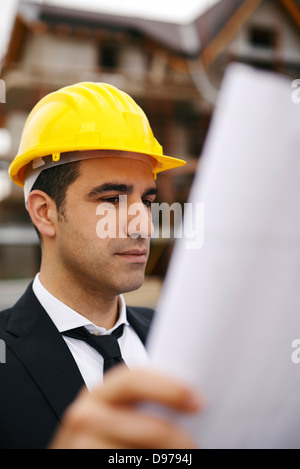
[[230, 311]]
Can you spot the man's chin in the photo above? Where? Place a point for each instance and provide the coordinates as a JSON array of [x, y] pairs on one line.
[[132, 285]]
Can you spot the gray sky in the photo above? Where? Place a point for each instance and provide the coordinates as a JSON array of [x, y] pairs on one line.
[[7, 15], [178, 11], [169, 10]]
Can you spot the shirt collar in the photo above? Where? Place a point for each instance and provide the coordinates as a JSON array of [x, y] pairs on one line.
[[66, 318]]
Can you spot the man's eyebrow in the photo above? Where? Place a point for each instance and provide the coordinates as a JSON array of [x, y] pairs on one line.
[[150, 191], [120, 188], [110, 187]]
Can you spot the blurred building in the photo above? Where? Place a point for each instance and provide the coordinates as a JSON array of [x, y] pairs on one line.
[[173, 71]]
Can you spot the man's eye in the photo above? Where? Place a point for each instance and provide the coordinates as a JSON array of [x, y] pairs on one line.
[[147, 203], [111, 200]]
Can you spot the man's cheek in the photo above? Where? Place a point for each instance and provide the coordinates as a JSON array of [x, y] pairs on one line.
[[106, 225]]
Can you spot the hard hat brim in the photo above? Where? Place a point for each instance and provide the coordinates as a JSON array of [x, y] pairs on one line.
[[18, 166]]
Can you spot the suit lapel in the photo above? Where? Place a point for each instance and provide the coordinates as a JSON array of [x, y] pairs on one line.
[[40, 347], [37, 343], [140, 319]]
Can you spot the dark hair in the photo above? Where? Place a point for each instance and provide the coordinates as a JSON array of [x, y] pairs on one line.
[[55, 182]]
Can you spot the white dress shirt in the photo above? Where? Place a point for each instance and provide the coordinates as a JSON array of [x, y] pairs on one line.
[[89, 361]]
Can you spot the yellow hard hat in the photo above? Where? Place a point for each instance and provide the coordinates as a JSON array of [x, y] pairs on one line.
[[86, 116]]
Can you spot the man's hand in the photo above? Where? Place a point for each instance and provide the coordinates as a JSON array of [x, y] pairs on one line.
[[108, 417]]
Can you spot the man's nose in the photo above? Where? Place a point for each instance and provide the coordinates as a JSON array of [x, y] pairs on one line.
[[139, 223], [134, 218]]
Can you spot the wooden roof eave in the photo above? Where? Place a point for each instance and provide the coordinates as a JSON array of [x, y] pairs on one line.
[[212, 51]]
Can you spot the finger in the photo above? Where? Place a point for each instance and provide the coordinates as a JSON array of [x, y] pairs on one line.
[[91, 424], [124, 387], [137, 430]]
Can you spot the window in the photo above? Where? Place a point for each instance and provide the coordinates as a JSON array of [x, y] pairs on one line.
[[109, 55], [263, 37]]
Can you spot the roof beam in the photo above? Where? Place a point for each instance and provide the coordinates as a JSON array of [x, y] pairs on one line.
[[228, 32], [293, 10]]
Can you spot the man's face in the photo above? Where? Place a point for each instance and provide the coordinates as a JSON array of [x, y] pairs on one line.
[[116, 263]]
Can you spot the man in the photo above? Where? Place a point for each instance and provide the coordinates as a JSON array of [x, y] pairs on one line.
[[84, 150]]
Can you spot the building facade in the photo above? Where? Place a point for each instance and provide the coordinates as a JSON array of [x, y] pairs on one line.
[[173, 71]]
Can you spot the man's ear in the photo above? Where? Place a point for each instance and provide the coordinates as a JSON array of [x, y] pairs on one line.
[[43, 213]]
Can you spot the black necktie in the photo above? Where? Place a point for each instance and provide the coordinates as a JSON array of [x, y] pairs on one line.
[[106, 345]]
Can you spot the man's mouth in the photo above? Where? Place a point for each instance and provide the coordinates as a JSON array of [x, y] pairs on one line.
[[135, 255]]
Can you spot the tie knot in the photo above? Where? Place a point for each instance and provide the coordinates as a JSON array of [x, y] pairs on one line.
[[106, 345]]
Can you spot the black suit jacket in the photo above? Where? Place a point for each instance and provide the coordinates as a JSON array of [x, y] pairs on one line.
[[40, 377]]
